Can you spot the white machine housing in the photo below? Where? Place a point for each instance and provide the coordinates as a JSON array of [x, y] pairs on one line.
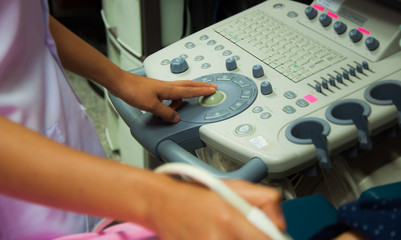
[[308, 66]]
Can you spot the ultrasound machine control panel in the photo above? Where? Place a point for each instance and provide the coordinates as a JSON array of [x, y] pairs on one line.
[[297, 84]]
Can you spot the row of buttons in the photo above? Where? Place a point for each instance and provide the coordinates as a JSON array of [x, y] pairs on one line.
[[246, 129], [222, 113], [339, 78], [340, 28], [191, 45], [287, 109], [300, 102], [179, 65]]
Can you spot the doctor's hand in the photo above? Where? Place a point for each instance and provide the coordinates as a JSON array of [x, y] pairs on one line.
[[265, 198], [147, 94], [197, 213]]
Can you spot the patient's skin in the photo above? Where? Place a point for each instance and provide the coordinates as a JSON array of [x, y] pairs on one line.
[[351, 235]]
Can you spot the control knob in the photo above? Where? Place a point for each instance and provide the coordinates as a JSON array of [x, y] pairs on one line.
[[231, 64], [339, 27], [178, 65], [325, 20], [310, 12], [266, 88], [372, 43], [257, 71], [355, 35]]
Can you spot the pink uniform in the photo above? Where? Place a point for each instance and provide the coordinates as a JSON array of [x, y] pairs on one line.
[[34, 92]]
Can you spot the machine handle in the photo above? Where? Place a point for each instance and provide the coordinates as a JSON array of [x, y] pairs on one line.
[[254, 171], [128, 113]]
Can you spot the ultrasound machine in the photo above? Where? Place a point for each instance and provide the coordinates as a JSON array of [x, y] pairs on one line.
[[303, 90], [300, 88]]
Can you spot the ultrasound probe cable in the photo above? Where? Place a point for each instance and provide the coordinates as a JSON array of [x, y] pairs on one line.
[[256, 216]]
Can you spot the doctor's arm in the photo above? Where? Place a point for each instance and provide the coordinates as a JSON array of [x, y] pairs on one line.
[[141, 92], [49, 173]]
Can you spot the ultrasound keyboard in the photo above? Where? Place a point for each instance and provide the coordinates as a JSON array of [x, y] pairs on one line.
[[297, 84], [283, 48]]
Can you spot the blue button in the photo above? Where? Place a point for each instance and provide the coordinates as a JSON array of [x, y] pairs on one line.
[[204, 37], [244, 129], [247, 93], [289, 109], [265, 115], [227, 53], [224, 77], [199, 58], [241, 82], [302, 103], [292, 14], [257, 109], [290, 95], [206, 66], [211, 42], [217, 114], [219, 47], [207, 78], [189, 45], [165, 62], [238, 105]]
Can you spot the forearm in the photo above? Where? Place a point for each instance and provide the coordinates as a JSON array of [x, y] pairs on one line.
[[38, 169], [81, 58], [52, 174]]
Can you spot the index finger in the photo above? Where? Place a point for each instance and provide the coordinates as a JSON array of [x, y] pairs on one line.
[[189, 90], [191, 83]]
